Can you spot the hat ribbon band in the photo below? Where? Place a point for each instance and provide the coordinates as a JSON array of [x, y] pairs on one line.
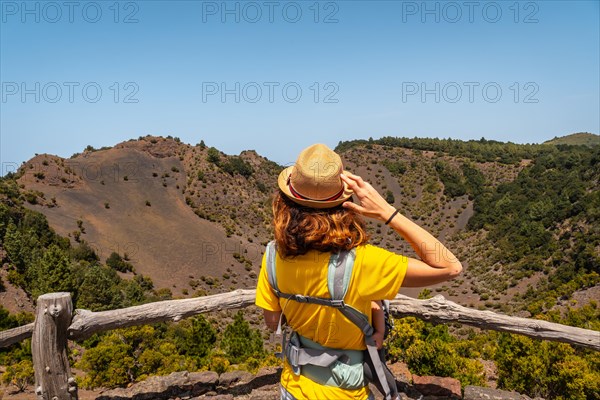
[[299, 196]]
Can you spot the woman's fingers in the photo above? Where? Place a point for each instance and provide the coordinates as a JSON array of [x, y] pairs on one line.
[[348, 174], [354, 207], [371, 202], [354, 181], [349, 180]]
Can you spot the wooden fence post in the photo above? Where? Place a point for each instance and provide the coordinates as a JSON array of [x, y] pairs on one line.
[[53, 379]]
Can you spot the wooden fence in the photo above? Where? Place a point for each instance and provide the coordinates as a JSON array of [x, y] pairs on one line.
[[55, 324]]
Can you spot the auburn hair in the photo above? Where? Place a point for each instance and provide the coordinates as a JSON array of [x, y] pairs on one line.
[[299, 229]]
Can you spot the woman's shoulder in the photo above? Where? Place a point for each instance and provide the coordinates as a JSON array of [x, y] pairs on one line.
[[378, 272], [368, 248], [369, 254]]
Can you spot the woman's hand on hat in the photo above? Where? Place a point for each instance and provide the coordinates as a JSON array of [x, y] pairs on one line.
[[372, 204]]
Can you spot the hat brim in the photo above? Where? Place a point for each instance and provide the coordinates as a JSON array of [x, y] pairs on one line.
[[282, 182]]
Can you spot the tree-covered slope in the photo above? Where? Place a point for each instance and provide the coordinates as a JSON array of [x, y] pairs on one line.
[[577, 139], [533, 233]]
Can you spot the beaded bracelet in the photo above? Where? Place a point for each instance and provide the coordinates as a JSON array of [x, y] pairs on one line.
[[392, 217]]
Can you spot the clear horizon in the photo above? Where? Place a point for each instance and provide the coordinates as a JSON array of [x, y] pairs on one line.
[[277, 76]]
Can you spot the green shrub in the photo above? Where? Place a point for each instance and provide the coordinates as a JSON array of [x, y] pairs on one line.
[[389, 197], [396, 168], [237, 165], [548, 369], [240, 342], [213, 156], [19, 374], [116, 262], [431, 350]]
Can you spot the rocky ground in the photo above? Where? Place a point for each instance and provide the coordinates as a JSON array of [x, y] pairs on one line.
[[264, 385]]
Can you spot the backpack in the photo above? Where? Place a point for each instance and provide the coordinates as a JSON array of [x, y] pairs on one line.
[[328, 366], [389, 322]]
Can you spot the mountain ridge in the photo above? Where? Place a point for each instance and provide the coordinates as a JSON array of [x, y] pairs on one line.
[[138, 181], [196, 220], [576, 139]]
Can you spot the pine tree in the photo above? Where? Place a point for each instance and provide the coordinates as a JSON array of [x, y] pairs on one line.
[[53, 273], [240, 341], [100, 289], [12, 243]]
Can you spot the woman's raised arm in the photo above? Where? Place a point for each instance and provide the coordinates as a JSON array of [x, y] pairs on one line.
[[436, 264]]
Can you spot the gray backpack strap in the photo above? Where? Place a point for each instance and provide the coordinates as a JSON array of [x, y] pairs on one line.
[[299, 356], [271, 254], [338, 279], [339, 272], [300, 298], [379, 367], [360, 320]]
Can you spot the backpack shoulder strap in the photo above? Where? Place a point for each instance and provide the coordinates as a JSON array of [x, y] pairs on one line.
[[271, 254], [339, 272]]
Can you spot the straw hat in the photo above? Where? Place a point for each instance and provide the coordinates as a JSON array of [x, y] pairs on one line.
[[314, 181]]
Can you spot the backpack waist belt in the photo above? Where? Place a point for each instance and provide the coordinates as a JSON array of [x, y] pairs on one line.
[[331, 367]]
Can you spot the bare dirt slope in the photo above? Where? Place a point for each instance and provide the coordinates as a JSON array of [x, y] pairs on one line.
[[13, 298], [122, 200]]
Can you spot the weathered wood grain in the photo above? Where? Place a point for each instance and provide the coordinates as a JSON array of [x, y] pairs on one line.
[[440, 310], [53, 379], [15, 335], [86, 323]]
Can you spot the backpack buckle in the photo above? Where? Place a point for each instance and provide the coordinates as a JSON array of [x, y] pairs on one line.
[[301, 298], [292, 354], [338, 303]]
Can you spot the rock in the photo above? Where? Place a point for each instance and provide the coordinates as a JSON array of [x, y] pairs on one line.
[[403, 379], [401, 372], [268, 376], [177, 384], [203, 381], [265, 386], [481, 393], [265, 395], [245, 386], [447, 388], [228, 379]]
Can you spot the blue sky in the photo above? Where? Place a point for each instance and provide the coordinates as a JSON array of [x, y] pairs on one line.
[[278, 76]]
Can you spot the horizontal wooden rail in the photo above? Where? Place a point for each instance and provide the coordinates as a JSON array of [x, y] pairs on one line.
[[85, 323], [15, 335], [440, 310]]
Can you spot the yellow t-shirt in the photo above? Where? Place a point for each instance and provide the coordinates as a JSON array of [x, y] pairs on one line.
[[377, 275]]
